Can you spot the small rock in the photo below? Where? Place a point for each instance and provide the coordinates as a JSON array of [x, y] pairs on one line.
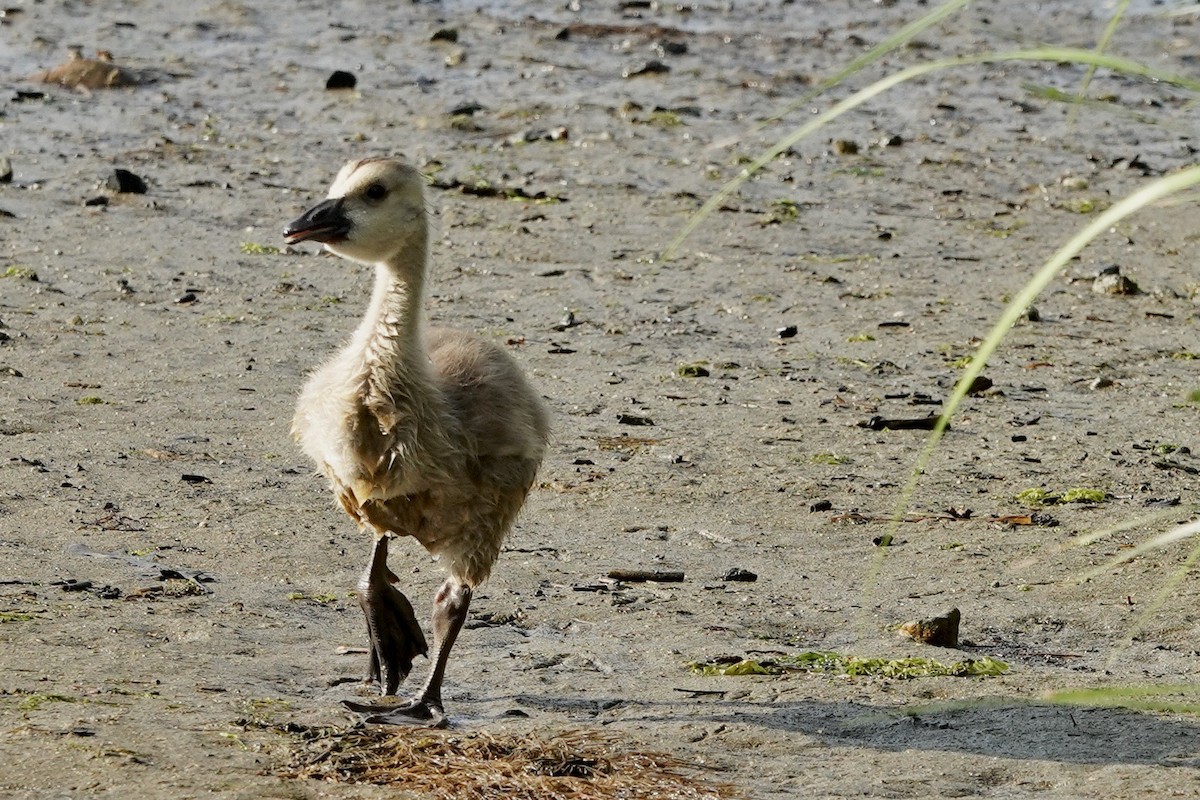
[[185, 298], [1100, 383], [189, 478], [125, 182], [651, 67], [787, 332], [568, 321], [100, 72], [633, 419], [820, 505], [981, 384], [340, 79], [1111, 281], [6, 170], [938, 631], [98, 200], [444, 35], [845, 147]]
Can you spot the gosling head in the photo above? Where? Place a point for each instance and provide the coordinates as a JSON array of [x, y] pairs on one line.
[[374, 214]]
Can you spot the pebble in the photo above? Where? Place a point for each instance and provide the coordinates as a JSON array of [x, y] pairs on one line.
[[125, 182], [340, 79], [6, 170], [651, 67], [939, 631], [1111, 281], [740, 575]]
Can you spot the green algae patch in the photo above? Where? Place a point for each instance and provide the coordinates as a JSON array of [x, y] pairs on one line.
[[854, 666], [1081, 495], [1046, 497]]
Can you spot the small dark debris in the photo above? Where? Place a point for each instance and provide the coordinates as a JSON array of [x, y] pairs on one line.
[[190, 478], [125, 182], [340, 79], [1168, 464], [559, 350], [981, 384], [1162, 502], [185, 298], [820, 505], [1136, 164], [99, 200], [74, 585], [878, 423], [634, 419], [643, 575], [886, 540], [740, 575], [22, 96], [445, 35], [6, 170], [787, 332], [651, 67], [466, 110], [1043, 519], [895, 323]]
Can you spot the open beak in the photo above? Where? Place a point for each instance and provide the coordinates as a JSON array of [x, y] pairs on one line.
[[325, 222]]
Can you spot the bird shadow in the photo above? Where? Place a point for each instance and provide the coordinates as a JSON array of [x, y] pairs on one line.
[[989, 726]]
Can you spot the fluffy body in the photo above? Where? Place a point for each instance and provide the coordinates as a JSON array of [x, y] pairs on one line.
[[430, 434], [433, 434]]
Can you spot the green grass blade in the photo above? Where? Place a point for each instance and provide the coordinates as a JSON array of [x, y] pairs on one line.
[[1101, 46], [1162, 540], [1136, 698], [897, 39], [1055, 54], [1145, 196]]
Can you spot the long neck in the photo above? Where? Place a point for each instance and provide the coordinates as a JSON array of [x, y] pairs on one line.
[[390, 331]]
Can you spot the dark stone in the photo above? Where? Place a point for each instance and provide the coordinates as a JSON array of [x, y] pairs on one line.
[[125, 182], [341, 80]]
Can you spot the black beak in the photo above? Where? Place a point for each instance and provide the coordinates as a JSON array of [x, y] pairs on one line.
[[324, 222]]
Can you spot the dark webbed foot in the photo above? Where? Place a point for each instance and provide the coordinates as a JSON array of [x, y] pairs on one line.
[[413, 712], [449, 613], [395, 637]]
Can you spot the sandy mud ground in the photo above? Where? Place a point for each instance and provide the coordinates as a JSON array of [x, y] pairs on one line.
[[176, 585]]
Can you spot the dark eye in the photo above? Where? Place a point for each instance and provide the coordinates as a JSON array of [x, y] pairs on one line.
[[376, 191]]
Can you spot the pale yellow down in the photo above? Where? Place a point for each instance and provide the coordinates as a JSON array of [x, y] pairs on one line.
[[430, 433]]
